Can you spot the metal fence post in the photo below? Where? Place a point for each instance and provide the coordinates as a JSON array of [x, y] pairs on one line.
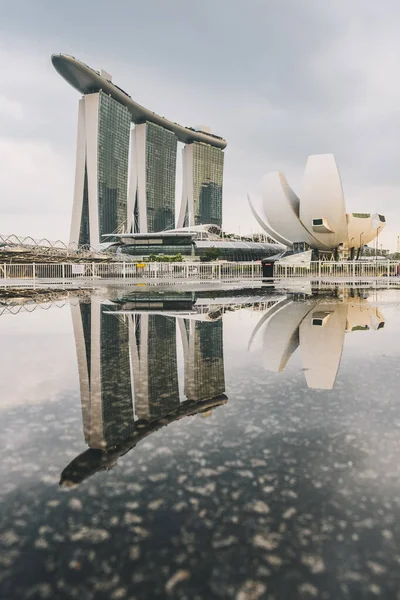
[[123, 270], [93, 273], [33, 271], [5, 270], [219, 271], [63, 271]]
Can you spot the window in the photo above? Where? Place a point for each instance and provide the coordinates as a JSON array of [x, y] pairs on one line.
[[318, 322]]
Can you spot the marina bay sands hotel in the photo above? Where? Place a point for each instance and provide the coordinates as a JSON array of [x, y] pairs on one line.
[[125, 177]]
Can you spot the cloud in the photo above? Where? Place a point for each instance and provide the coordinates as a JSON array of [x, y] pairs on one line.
[[38, 169], [280, 80], [10, 109]]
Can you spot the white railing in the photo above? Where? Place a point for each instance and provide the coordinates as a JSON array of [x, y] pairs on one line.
[[11, 273], [66, 272], [338, 270]]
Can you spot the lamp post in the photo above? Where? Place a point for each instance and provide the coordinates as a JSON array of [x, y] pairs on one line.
[[359, 248], [377, 238], [376, 250]]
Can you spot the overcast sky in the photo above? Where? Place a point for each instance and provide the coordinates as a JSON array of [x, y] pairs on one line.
[[279, 79]]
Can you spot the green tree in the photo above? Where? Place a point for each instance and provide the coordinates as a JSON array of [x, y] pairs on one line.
[[211, 254]]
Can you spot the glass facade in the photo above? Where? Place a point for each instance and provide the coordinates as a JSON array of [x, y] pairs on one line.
[[238, 253], [113, 158], [161, 147], [206, 377], [86, 317], [230, 251], [163, 366], [156, 380], [170, 250], [116, 391], [84, 233], [111, 346], [208, 170]]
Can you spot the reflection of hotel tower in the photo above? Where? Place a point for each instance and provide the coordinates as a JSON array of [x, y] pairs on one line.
[[204, 359], [128, 368], [318, 327], [152, 341], [104, 374]]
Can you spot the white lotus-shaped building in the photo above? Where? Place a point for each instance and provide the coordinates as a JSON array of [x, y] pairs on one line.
[[318, 217]]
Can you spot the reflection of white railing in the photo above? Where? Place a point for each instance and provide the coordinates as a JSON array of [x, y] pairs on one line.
[[75, 272], [338, 270]]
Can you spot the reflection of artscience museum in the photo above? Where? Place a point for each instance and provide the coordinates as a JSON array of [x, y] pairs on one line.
[[317, 219], [132, 381], [318, 327]]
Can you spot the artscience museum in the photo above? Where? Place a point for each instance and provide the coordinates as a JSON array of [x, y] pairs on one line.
[[317, 219]]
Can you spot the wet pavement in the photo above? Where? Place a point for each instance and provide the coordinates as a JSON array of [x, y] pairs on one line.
[[237, 444]]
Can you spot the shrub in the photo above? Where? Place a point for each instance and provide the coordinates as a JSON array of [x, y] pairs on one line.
[[211, 254]]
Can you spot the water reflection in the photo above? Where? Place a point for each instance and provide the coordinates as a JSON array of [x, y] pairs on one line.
[[318, 326], [128, 358], [284, 492], [128, 371]]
